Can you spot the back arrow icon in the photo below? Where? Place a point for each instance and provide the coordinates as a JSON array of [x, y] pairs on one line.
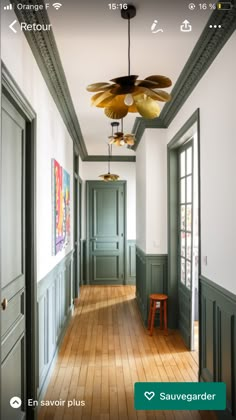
[[11, 26]]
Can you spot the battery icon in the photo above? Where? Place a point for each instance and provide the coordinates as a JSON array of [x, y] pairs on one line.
[[224, 5]]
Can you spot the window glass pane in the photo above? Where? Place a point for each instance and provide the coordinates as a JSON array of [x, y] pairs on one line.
[[182, 189], [189, 246], [189, 217], [182, 275], [188, 274], [189, 189], [189, 161], [183, 244], [182, 224], [182, 164]]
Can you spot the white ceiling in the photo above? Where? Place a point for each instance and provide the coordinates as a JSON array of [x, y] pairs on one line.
[[92, 43]]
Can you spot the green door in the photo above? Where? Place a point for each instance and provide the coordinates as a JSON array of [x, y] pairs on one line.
[[105, 232], [185, 236], [12, 243]]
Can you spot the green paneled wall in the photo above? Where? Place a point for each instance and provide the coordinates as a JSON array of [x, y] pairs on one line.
[[151, 277], [54, 303], [218, 339]]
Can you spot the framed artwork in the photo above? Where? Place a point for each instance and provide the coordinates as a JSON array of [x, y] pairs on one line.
[[60, 207]]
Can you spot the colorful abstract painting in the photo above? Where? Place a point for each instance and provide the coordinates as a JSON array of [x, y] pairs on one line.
[[60, 207]]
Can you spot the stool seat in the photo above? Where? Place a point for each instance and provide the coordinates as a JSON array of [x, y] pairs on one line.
[[157, 296], [158, 301]]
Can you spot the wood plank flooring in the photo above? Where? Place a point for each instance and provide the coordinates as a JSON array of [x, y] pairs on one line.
[[106, 350]]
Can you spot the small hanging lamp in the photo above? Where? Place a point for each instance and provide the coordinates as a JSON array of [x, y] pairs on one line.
[[121, 139], [110, 177]]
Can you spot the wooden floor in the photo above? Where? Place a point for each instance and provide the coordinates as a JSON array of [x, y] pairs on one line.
[[106, 350]]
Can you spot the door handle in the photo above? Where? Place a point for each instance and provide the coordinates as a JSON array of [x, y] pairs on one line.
[[93, 239], [4, 304]]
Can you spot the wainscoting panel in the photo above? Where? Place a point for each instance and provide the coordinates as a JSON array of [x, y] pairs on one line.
[[54, 310], [218, 339], [151, 277]]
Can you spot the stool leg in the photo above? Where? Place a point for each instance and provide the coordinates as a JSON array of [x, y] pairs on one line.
[[150, 315], [153, 317], [161, 313], [165, 317]]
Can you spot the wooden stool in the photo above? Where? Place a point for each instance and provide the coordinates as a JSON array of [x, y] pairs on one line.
[[157, 302]]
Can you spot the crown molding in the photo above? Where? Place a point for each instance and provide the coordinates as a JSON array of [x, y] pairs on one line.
[[45, 51], [205, 51]]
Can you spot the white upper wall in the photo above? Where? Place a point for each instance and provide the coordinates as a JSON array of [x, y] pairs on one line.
[[141, 187], [151, 192], [53, 140], [215, 96], [156, 173], [90, 171]]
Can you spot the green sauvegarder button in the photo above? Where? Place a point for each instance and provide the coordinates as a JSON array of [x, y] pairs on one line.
[[180, 396]]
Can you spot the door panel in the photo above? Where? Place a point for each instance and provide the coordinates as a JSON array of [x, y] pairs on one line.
[[105, 268], [12, 371], [105, 215], [13, 260], [106, 232], [12, 147], [185, 251]]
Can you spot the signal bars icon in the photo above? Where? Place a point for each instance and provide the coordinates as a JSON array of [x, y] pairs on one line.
[[8, 7]]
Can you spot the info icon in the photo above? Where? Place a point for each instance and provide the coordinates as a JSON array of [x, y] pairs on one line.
[[15, 402]]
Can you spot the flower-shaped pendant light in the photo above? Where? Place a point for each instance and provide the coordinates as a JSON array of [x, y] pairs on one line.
[[127, 93], [119, 138]]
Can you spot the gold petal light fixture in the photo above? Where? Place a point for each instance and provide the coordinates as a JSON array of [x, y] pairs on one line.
[[108, 176], [127, 93], [119, 138]]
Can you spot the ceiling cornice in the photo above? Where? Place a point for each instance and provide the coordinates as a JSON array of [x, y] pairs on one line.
[[205, 51], [44, 48]]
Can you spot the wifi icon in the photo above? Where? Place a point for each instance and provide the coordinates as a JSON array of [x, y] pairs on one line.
[[57, 5]]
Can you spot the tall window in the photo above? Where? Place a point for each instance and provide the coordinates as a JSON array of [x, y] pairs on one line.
[[186, 213]]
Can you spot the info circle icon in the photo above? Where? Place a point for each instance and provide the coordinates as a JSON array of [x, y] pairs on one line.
[[191, 6], [15, 402]]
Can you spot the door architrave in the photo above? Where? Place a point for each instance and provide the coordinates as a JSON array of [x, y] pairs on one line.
[[13, 93], [172, 206], [124, 184]]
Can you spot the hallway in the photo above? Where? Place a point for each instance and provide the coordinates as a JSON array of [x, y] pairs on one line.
[[117, 173], [105, 351]]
